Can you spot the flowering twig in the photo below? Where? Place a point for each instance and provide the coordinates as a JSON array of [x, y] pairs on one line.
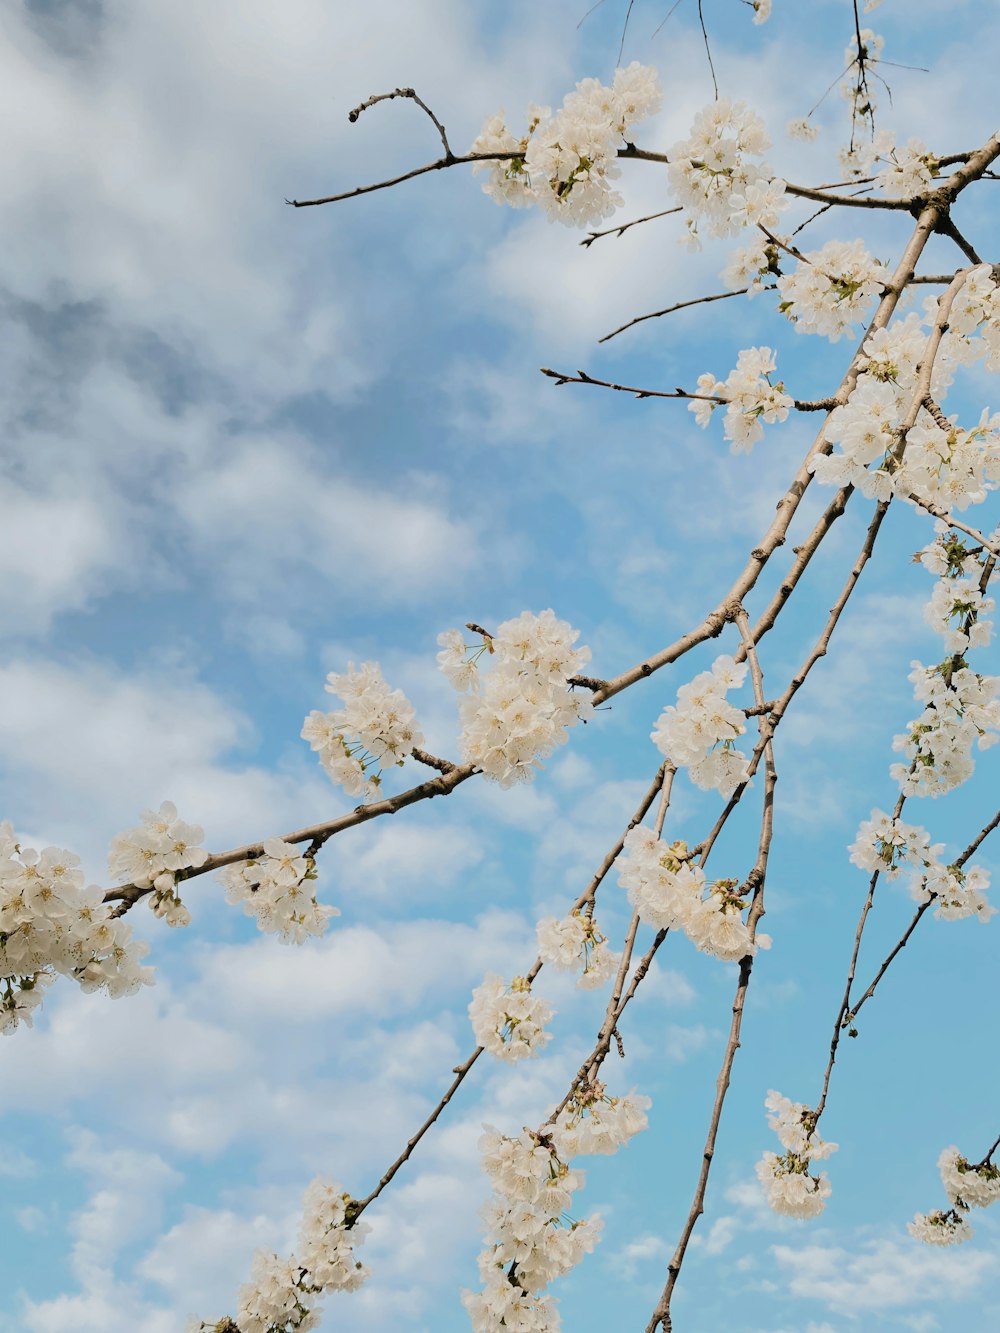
[[755, 880], [462, 1070]]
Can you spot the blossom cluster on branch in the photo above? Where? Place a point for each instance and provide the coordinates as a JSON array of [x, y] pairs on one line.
[[566, 162], [515, 714], [50, 923], [788, 1183], [283, 1294], [967, 1186], [531, 1238]]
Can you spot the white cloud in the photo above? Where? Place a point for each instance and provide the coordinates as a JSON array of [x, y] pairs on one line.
[[886, 1275], [627, 1261], [98, 745], [270, 507], [411, 863], [721, 1234], [681, 1043], [357, 970], [205, 1256], [84, 540]]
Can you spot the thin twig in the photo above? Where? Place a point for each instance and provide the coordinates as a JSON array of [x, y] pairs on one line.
[[970, 850], [708, 50], [669, 310], [755, 880], [581, 377], [410, 93], [593, 236], [586, 898]]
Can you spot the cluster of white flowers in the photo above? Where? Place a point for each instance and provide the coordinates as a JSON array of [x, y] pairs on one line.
[[591, 1122], [975, 315], [566, 162], [151, 854], [698, 732], [829, 289], [790, 1188], [376, 728], [49, 923], [967, 1186], [668, 892], [905, 170], [892, 355], [519, 711], [958, 893], [961, 707], [890, 846], [940, 1228], [276, 889], [951, 468], [803, 128], [900, 171], [865, 430], [663, 884], [956, 611], [573, 940], [750, 398], [942, 464], [282, 1294], [529, 1242], [761, 10], [531, 1238], [961, 711], [714, 178], [753, 266], [509, 1021]]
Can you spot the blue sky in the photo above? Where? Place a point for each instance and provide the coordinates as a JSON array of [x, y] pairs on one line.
[[246, 445]]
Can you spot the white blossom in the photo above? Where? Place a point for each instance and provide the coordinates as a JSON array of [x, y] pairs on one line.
[[282, 1294], [507, 181], [461, 670], [962, 711], [787, 1181], [663, 886], [375, 729], [155, 850], [566, 162], [49, 924], [716, 925], [830, 289], [276, 889], [750, 397], [795, 1125], [699, 731], [751, 266], [887, 845], [957, 611], [940, 1228], [968, 1185], [574, 942], [508, 1020], [957, 892], [714, 177], [592, 1122], [524, 705], [789, 1187]]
